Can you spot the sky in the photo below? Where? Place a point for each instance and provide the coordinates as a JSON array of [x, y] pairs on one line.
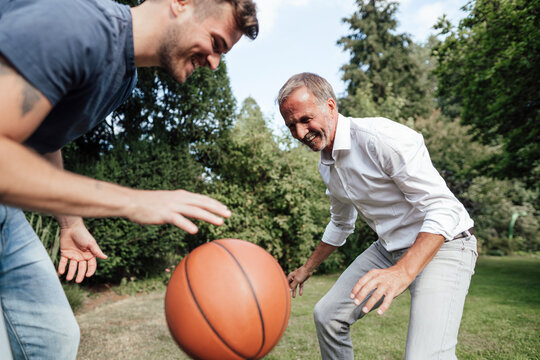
[[301, 35]]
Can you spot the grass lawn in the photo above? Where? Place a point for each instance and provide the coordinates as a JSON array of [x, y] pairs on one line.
[[501, 321]]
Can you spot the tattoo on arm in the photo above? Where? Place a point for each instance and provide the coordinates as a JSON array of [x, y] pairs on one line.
[[30, 98], [29, 93]]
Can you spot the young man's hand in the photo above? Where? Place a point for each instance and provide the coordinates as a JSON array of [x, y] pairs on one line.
[[79, 248]]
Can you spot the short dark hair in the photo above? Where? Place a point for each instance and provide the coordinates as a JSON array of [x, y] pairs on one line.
[[317, 85], [245, 15]]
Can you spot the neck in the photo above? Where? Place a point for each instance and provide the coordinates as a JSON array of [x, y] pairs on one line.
[[149, 20]]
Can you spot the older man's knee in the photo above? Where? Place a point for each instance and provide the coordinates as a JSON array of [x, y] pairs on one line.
[[326, 316], [320, 313]]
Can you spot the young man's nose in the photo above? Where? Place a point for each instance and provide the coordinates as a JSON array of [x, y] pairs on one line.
[[213, 61]]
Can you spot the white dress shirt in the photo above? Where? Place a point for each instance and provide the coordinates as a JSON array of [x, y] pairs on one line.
[[382, 171]]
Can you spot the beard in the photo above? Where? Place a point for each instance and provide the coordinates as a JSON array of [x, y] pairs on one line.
[[316, 141], [168, 52]]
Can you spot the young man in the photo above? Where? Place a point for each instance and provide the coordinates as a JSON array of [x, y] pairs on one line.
[[65, 65], [381, 170]]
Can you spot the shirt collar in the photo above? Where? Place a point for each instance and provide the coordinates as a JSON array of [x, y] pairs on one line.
[[342, 140]]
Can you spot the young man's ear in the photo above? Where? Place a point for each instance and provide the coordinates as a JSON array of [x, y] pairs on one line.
[[179, 6]]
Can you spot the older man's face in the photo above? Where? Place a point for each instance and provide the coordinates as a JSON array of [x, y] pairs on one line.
[[309, 121]]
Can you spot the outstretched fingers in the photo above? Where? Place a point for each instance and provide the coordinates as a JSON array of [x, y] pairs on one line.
[[381, 285]]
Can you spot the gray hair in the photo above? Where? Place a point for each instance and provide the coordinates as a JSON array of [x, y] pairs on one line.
[[318, 86]]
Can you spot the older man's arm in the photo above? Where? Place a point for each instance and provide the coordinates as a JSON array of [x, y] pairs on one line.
[[394, 280]]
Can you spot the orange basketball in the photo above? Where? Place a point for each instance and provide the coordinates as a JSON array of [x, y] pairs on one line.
[[228, 299]]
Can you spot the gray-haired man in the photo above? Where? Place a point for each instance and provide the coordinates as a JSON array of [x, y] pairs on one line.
[[381, 170]]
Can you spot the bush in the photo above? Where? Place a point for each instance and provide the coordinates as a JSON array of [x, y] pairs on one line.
[[135, 250], [494, 202], [48, 231], [454, 151], [75, 296]]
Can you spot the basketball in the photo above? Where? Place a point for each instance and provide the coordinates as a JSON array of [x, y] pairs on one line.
[[227, 299]]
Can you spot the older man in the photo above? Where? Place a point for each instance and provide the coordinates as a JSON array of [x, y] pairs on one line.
[[382, 171], [65, 65]]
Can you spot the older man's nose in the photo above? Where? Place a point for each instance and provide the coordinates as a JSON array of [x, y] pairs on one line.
[[301, 130]]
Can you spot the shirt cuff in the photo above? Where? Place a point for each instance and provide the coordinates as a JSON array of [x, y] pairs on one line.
[[335, 236], [434, 227]]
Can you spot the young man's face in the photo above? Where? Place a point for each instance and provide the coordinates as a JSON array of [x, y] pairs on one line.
[[195, 40], [310, 122]]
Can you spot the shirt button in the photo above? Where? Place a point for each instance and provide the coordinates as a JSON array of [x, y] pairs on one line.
[[347, 188]]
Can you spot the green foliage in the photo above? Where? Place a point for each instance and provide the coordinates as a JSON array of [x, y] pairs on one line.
[[161, 110], [494, 203], [454, 151], [48, 231], [489, 73], [151, 142], [462, 162], [276, 195], [75, 296], [362, 104], [136, 250], [386, 69]]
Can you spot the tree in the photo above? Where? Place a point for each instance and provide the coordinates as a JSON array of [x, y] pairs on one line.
[[272, 188], [489, 73], [161, 110], [383, 68]]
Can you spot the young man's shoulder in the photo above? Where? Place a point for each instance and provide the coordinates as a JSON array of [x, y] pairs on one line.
[[58, 45], [60, 20]]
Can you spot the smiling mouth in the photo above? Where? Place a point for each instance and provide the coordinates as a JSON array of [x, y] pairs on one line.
[[309, 138], [196, 62]]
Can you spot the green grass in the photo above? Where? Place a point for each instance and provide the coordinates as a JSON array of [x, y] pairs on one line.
[[501, 321]]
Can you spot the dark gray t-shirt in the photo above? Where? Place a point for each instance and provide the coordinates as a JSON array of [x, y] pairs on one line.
[[78, 53]]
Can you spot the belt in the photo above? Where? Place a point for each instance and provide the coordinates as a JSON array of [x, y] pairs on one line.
[[464, 234]]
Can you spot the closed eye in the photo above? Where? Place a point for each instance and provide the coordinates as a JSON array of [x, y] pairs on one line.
[[219, 45], [214, 45]]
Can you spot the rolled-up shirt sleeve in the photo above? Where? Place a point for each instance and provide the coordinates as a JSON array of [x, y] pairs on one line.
[[342, 220], [423, 187]]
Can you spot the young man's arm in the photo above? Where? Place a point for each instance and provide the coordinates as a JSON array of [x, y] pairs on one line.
[[77, 246], [30, 182]]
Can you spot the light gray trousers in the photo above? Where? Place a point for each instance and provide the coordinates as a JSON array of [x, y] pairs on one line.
[[437, 298]]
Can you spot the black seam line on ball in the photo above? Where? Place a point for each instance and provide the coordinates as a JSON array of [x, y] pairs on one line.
[[252, 292], [203, 314]]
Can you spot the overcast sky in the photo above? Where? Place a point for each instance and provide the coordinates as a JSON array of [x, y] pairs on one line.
[[301, 35]]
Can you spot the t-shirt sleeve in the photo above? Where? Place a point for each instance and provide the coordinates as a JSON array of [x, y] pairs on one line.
[[50, 44]]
